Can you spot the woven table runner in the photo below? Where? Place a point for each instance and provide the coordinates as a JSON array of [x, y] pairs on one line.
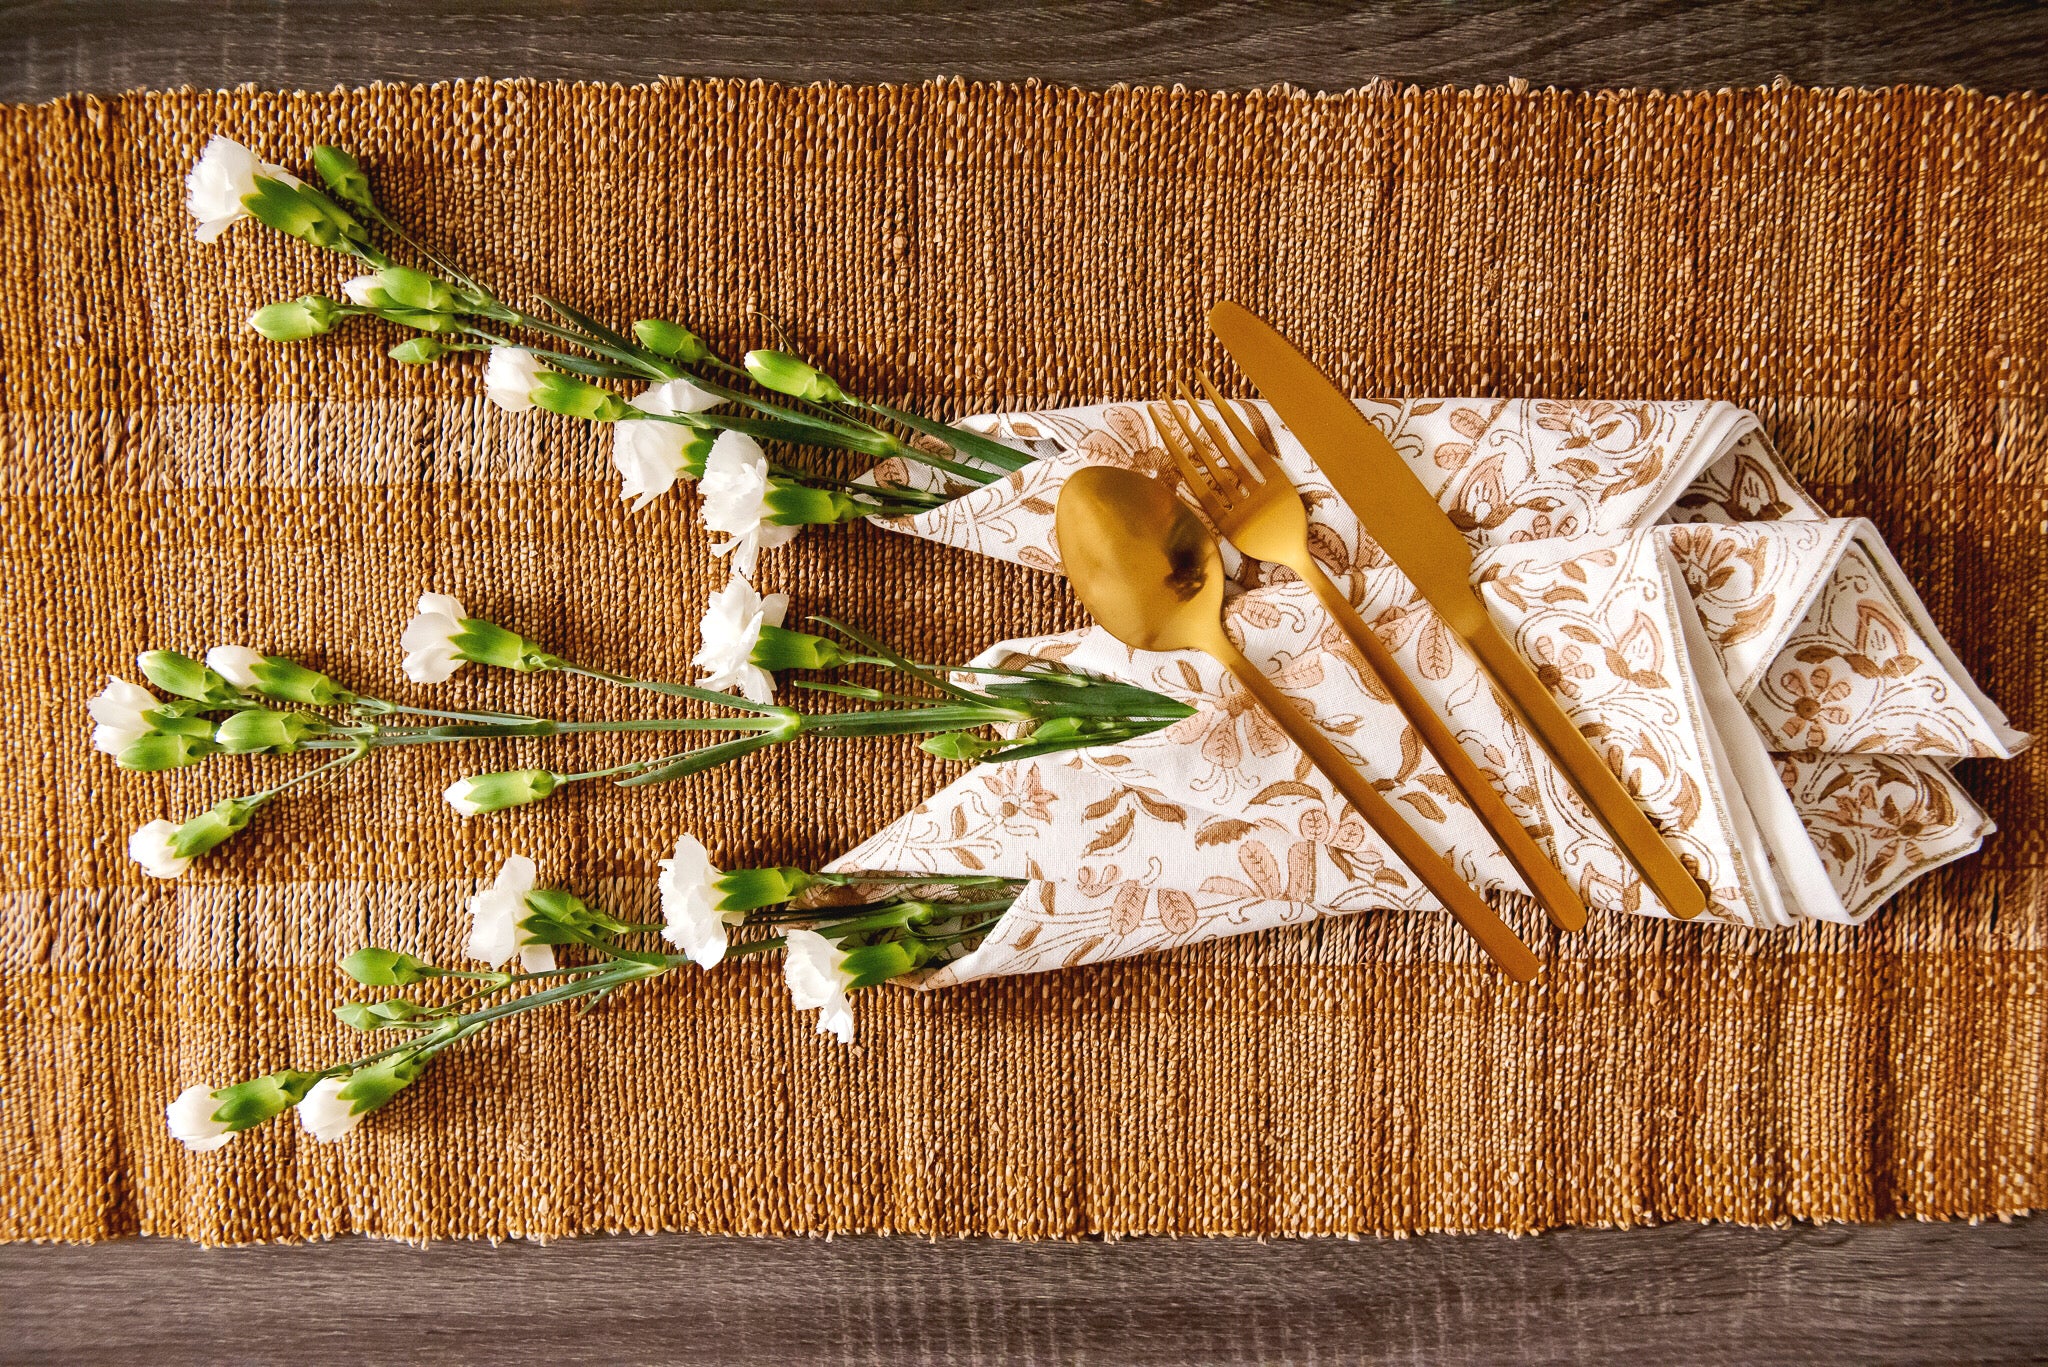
[[1866, 271]]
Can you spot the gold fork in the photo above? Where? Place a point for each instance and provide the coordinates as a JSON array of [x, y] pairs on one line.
[[1252, 502]]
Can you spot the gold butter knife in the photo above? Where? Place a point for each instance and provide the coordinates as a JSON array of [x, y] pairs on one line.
[[1404, 518]]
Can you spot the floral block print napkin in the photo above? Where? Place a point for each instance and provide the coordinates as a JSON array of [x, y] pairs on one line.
[[1762, 677]]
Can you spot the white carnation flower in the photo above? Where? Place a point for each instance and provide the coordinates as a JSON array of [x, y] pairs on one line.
[[735, 492], [150, 847], [218, 182], [815, 971], [120, 711], [431, 655], [689, 904], [191, 1120], [731, 627], [495, 934], [324, 1114], [235, 664], [509, 377], [649, 455]]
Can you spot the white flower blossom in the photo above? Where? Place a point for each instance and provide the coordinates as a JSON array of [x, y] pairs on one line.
[[731, 628], [649, 455], [150, 847], [735, 491], [357, 289], [816, 973], [324, 1114], [509, 377], [214, 188], [496, 934], [119, 710], [431, 654], [191, 1120], [234, 663], [689, 904]]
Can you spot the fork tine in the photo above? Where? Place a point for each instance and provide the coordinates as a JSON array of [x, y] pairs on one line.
[[1237, 465], [1221, 474], [1267, 462], [1200, 483]]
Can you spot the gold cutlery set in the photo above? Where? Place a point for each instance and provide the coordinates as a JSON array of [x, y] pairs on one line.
[[1151, 575]]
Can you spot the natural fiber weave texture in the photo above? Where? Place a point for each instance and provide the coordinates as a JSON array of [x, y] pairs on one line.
[[1868, 271]]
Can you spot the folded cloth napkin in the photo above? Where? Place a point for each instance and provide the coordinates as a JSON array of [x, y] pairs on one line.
[[1762, 676]]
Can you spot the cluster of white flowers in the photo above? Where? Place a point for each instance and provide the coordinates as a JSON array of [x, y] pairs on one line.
[[191, 1117]]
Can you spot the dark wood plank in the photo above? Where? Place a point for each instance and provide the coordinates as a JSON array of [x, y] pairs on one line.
[[1681, 1295], [57, 46]]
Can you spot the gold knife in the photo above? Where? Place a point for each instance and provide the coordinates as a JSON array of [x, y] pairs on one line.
[[1405, 519]]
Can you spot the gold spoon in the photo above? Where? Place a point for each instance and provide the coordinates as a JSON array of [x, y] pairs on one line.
[[1149, 573]]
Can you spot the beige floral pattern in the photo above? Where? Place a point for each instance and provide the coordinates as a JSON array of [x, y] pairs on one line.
[[1685, 600]]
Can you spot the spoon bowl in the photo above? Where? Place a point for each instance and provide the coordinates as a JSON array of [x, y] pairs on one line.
[[1141, 562]]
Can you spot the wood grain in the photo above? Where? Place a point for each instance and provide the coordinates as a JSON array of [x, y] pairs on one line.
[[56, 46], [1681, 1294], [1684, 1295]]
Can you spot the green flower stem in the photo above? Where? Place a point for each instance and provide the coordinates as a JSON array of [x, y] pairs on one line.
[[356, 751]]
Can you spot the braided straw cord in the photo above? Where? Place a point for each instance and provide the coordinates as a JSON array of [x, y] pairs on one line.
[[1869, 271]]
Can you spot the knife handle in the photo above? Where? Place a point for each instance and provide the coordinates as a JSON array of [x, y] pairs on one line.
[[1544, 879], [1458, 896], [1669, 879]]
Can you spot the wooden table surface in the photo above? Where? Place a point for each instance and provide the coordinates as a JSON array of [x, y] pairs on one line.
[[1681, 1294]]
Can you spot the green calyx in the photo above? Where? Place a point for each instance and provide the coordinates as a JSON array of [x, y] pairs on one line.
[[258, 729], [750, 889], [959, 745], [368, 1088], [575, 398], [786, 374], [411, 289], [797, 505], [873, 965], [672, 340], [301, 211], [294, 320], [156, 752], [778, 648], [255, 1101], [371, 1016], [481, 793], [486, 643], [375, 967], [289, 681], [211, 827], [418, 351], [184, 676]]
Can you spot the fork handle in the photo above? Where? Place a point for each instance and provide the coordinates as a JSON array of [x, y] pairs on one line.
[[1458, 896], [1544, 879]]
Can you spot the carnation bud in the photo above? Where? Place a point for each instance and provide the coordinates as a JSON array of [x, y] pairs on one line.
[[786, 374], [184, 676], [258, 729], [289, 681], [375, 967], [672, 340], [211, 827], [495, 792], [156, 752], [294, 320], [418, 351], [778, 648], [343, 175], [575, 398]]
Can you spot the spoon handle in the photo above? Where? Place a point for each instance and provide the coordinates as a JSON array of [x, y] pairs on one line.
[[1436, 874]]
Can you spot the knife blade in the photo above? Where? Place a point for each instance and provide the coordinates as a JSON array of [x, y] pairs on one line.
[[1400, 513]]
